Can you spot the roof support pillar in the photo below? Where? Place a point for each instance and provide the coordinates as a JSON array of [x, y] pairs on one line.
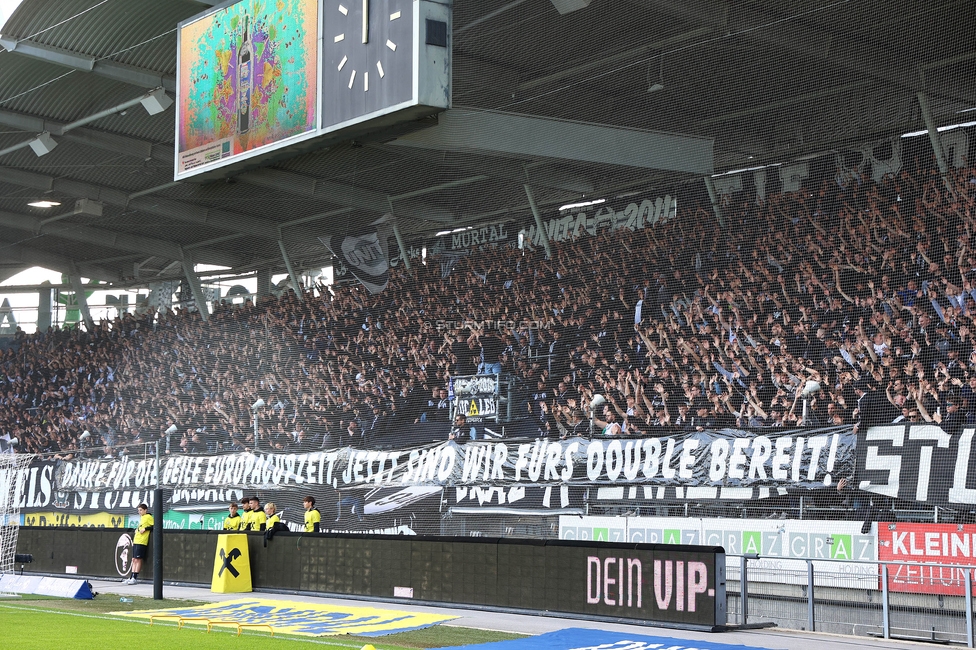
[[44, 310], [195, 287], [538, 220], [291, 272], [923, 103], [713, 196], [404, 255], [264, 283], [82, 300]]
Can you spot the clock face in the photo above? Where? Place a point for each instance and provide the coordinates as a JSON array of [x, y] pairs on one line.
[[368, 57]]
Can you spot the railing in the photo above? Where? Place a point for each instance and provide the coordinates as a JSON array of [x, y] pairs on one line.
[[210, 623], [903, 600]]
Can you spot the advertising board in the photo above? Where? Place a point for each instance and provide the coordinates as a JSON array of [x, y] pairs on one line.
[[950, 545], [669, 584], [781, 546]]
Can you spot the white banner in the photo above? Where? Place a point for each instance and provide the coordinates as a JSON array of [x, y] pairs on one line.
[[783, 546]]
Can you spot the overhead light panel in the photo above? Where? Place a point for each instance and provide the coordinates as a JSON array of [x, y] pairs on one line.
[[156, 101], [451, 232], [44, 203], [570, 206], [567, 6], [43, 144], [941, 129]]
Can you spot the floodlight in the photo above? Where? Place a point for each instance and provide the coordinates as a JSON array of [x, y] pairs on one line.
[[567, 6], [156, 101], [43, 144]]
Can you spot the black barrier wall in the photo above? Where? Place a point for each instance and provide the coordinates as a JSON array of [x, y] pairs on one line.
[[654, 583]]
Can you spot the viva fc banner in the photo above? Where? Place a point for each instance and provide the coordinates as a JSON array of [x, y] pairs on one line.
[[366, 256]]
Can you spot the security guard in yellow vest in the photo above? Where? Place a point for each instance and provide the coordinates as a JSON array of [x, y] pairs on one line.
[[233, 521]]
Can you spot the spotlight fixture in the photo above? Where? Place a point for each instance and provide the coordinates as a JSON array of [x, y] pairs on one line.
[[659, 84], [156, 101], [43, 144]]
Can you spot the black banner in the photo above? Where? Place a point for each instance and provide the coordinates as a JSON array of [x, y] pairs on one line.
[[565, 499], [728, 458], [917, 462], [475, 397], [385, 489], [379, 489], [727, 464]]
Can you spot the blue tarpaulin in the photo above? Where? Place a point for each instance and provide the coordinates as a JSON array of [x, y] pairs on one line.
[[584, 639]]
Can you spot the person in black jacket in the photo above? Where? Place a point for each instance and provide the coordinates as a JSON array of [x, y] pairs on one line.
[[873, 407], [558, 350], [491, 352]]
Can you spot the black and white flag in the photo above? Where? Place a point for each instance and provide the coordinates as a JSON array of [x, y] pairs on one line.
[[366, 255]]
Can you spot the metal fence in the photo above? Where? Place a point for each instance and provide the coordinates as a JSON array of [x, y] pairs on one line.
[[891, 600]]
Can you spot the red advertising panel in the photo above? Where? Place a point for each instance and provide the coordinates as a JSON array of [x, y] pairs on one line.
[[934, 544]]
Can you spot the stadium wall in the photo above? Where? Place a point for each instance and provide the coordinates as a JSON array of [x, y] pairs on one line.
[[619, 581]]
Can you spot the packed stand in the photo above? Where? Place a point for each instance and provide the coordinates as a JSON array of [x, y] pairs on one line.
[[862, 293]]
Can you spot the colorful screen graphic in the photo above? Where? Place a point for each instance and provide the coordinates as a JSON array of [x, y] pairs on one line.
[[305, 619], [247, 80]]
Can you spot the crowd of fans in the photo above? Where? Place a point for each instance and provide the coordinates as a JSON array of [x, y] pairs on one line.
[[862, 293]]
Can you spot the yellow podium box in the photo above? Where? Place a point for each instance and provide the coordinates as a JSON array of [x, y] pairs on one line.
[[232, 565]]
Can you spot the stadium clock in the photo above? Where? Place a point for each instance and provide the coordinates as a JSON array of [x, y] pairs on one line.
[[379, 55]]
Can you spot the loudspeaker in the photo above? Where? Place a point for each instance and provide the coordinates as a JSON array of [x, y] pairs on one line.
[[88, 207]]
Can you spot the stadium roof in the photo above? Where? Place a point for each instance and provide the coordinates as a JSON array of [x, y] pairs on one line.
[[602, 100]]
